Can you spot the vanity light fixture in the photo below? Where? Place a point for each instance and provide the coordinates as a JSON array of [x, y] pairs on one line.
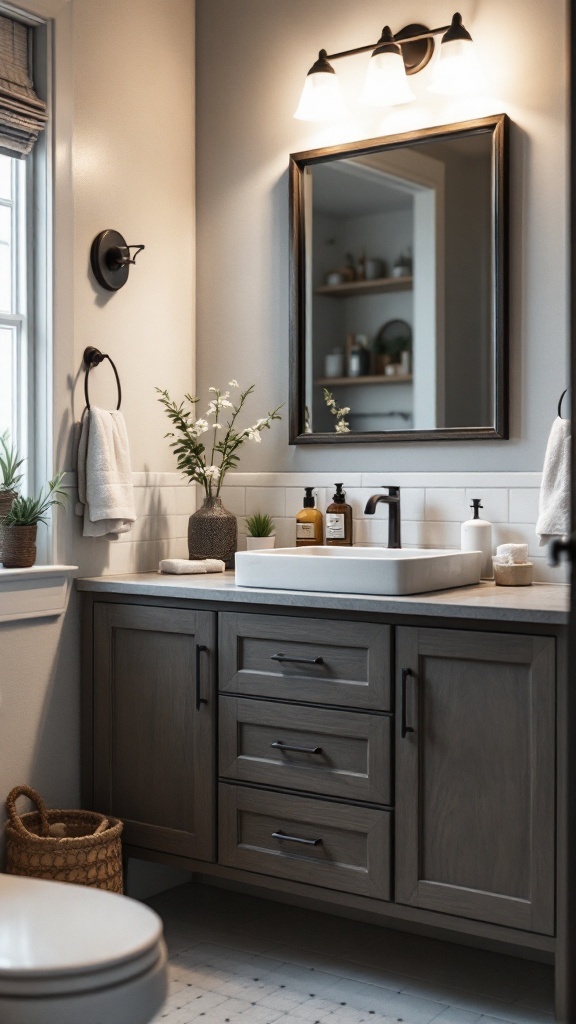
[[457, 71]]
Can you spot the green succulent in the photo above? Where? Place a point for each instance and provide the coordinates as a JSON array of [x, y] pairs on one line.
[[9, 464], [260, 525], [31, 511]]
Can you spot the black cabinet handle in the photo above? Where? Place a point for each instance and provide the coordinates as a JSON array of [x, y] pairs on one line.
[[280, 745], [404, 728], [300, 661], [295, 839], [199, 700]]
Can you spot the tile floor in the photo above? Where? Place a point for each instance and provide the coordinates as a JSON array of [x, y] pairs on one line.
[[237, 959]]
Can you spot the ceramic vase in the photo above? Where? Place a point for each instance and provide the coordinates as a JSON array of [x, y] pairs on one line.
[[19, 546], [258, 543], [6, 499], [212, 532]]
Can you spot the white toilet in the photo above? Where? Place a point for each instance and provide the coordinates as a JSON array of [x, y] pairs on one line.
[[74, 955]]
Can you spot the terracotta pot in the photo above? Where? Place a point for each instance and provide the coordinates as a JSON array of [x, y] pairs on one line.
[[212, 532], [258, 543], [19, 547], [6, 499]]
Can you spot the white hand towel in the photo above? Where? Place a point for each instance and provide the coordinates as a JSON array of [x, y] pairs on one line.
[[554, 506], [106, 497], [192, 567]]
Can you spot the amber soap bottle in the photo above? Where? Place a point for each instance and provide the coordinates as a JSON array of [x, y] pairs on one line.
[[339, 519], [308, 522]]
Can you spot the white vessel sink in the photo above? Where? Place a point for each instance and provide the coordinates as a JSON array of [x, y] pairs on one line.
[[358, 570]]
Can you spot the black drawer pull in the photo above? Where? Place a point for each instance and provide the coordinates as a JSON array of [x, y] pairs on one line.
[[199, 700], [300, 661], [280, 745], [404, 727], [295, 839]]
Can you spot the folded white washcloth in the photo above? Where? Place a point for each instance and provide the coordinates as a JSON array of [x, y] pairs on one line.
[[105, 492], [512, 554], [554, 505], [190, 567]]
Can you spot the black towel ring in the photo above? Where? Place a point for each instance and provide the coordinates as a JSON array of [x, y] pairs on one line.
[[566, 390], [92, 357]]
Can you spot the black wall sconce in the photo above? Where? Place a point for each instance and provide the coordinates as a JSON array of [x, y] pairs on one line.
[[110, 259], [457, 71]]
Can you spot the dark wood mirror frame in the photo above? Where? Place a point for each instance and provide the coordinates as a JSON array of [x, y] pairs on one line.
[[498, 126]]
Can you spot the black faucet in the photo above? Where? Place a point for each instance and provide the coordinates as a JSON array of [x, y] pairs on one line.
[[392, 499]]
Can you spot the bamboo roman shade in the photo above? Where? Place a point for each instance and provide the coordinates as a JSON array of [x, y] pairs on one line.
[[22, 114]]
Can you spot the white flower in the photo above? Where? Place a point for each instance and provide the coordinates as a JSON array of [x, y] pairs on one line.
[[217, 426], [200, 427], [342, 427], [344, 410], [212, 408], [223, 403], [215, 390], [233, 384], [251, 434], [212, 472], [260, 423]]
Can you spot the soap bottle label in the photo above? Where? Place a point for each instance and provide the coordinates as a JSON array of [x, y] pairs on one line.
[[335, 529], [305, 531]]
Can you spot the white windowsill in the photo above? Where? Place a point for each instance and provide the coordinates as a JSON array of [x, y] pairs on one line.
[[38, 592]]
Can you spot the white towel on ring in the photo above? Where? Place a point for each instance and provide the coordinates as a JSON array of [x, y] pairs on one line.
[[105, 492], [554, 504]]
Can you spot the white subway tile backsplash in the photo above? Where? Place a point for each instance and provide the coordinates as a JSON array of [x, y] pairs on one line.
[[446, 504], [433, 507], [524, 504], [266, 499], [438, 535]]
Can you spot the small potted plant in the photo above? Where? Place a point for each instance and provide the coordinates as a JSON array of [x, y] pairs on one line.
[[260, 531], [9, 477], [21, 523]]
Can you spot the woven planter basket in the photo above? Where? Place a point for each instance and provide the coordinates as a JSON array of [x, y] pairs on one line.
[[19, 546], [6, 499], [80, 855]]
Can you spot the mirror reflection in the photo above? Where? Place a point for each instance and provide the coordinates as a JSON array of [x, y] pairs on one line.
[[401, 286]]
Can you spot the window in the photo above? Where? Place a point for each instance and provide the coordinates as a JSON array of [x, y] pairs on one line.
[[14, 363]]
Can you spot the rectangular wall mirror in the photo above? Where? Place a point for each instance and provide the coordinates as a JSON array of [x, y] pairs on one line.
[[399, 287]]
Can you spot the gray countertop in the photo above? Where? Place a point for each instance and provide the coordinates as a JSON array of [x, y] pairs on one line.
[[541, 603]]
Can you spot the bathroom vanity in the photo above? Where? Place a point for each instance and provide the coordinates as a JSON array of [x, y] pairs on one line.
[[385, 757]]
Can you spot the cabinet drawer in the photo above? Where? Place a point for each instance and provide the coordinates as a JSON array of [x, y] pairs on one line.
[[345, 753], [318, 661], [332, 845]]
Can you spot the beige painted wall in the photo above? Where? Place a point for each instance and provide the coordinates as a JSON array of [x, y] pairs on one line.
[[245, 133], [124, 155]]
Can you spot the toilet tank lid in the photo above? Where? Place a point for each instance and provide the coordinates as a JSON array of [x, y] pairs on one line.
[[52, 927]]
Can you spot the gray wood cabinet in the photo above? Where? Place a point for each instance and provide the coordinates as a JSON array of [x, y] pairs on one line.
[[154, 725], [381, 765], [475, 775]]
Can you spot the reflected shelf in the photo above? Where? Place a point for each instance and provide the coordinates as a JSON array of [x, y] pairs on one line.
[[373, 378], [374, 287]]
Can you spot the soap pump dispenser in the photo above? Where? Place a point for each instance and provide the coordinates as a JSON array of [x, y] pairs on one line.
[[308, 522], [476, 535], [339, 520]]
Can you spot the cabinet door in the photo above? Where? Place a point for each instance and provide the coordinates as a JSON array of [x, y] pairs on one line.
[[154, 724], [475, 776]]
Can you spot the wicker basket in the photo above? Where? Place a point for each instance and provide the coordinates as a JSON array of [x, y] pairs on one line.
[[86, 848]]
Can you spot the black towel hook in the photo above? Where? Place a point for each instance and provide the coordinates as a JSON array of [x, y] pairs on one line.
[[92, 357], [566, 390]]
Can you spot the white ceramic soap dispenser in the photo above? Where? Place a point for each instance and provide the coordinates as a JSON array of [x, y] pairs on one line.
[[476, 535]]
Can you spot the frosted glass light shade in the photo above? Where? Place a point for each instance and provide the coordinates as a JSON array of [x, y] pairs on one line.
[[458, 71], [321, 99], [386, 84]]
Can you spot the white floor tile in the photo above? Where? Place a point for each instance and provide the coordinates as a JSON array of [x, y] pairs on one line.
[[226, 968]]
